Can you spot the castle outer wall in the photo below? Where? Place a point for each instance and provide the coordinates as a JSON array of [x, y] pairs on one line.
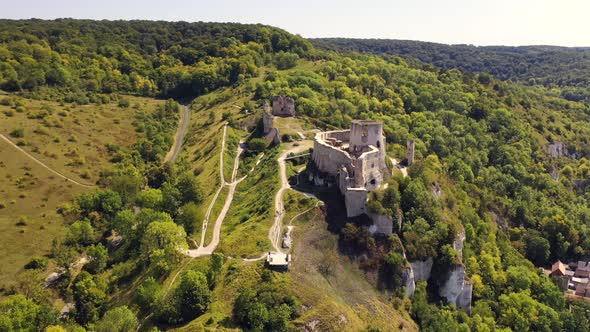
[[356, 158]]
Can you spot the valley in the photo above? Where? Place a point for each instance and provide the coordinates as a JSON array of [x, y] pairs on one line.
[[155, 168]]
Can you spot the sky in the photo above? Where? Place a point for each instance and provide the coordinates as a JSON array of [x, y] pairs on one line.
[[477, 22]]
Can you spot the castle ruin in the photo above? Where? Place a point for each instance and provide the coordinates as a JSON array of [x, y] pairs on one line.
[[283, 106], [410, 152], [356, 158]]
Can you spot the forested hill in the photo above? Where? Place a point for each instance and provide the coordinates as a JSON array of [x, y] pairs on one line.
[[546, 65], [169, 59]]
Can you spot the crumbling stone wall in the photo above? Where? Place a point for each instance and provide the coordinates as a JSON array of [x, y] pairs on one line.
[[410, 152], [356, 157], [267, 118], [356, 201], [369, 171], [283, 106], [329, 158]]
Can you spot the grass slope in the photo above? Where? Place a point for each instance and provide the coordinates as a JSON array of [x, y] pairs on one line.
[[69, 138]]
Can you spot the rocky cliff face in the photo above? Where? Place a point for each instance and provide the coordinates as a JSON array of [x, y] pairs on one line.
[[418, 271], [382, 224], [456, 289], [557, 149]]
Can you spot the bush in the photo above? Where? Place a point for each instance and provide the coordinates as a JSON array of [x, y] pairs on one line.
[[257, 144], [147, 294], [37, 262], [123, 103], [119, 319], [286, 60], [17, 133]]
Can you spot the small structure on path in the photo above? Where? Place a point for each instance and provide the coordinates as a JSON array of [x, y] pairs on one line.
[[278, 261]]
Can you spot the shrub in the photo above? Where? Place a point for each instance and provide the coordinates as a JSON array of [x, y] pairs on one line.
[[37, 262], [8, 113], [22, 221], [257, 144], [18, 133], [123, 103]]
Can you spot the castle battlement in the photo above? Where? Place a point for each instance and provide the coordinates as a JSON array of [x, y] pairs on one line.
[[356, 158]]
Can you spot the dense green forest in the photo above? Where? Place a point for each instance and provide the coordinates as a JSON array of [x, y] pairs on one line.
[[137, 57], [551, 66], [480, 137]]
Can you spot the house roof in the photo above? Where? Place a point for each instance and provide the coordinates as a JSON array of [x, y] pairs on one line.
[[558, 266], [578, 281]]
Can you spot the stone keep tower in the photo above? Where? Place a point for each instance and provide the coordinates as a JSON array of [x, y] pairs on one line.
[[364, 133]]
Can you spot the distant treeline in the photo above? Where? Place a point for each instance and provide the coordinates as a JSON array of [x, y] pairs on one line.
[[551, 66]]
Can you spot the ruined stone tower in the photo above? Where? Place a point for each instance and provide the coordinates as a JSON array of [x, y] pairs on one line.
[[410, 150], [283, 106]]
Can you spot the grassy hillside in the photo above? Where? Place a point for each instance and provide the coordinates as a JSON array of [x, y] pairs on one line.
[[58, 135]]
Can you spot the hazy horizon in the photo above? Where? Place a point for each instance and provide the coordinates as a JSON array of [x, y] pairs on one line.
[[480, 23]]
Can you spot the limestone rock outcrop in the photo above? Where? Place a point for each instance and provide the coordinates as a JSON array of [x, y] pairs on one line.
[[418, 271], [557, 149], [409, 281], [422, 269], [382, 224], [456, 289]]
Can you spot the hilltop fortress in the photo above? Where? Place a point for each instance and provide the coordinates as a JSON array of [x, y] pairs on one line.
[[355, 158]]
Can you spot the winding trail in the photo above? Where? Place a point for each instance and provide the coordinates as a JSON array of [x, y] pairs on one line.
[[203, 250], [85, 185], [274, 234], [175, 148], [221, 184], [208, 250]]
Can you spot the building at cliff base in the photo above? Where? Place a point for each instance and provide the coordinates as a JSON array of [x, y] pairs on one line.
[[355, 158]]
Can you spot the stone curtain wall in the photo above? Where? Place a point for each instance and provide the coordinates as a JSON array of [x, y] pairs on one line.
[[328, 158]]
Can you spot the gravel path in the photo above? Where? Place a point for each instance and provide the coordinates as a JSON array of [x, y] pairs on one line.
[[175, 148]]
